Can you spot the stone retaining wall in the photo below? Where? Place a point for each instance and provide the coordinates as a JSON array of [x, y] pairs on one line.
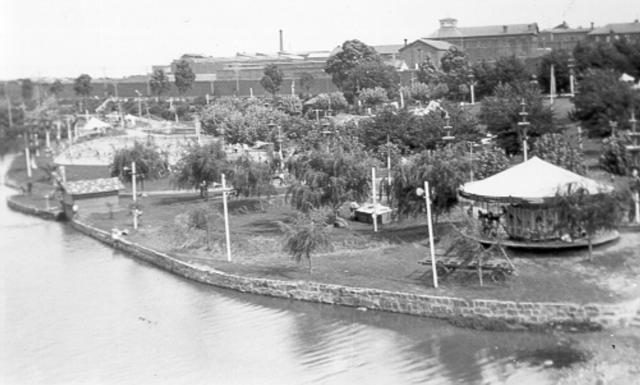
[[510, 312], [44, 214]]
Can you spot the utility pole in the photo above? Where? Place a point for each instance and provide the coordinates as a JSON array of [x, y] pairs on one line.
[[432, 252], [226, 217], [375, 203]]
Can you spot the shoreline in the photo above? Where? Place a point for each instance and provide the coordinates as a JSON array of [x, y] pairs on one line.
[[488, 314]]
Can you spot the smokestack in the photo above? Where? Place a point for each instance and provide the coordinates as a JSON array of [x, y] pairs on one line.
[[405, 42], [281, 42], [592, 25]]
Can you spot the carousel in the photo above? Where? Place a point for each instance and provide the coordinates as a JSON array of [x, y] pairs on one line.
[[515, 207]]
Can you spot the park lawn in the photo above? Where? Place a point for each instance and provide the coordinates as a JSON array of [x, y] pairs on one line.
[[386, 260]]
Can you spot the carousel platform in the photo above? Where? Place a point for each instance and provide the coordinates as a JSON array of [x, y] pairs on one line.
[[600, 239]]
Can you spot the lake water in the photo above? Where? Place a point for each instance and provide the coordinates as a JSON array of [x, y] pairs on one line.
[[75, 311]]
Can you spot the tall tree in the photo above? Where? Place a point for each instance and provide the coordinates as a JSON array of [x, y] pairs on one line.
[[351, 54], [371, 75], [428, 73], [358, 66], [184, 76], [159, 82], [26, 89], [82, 87], [457, 71], [445, 169], [272, 79], [579, 211], [251, 178], [201, 165], [306, 82], [501, 114], [150, 163], [329, 177], [560, 61], [307, 234], [56, 88], [603, 98]]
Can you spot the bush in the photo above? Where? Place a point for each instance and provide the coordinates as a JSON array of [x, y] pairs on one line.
[[555, 149], [614, 157]]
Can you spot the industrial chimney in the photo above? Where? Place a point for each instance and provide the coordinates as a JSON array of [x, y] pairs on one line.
[[281, 43]]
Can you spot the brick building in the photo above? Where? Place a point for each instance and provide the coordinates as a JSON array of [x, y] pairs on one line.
[[418, 51], [611, 32], [562, 37], [490, 42]]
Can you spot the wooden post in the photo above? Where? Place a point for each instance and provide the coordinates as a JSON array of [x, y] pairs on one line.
[[431, 246], [373, 193], [226, 217]]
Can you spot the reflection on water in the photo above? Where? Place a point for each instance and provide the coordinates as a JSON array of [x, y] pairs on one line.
[[75, 311]]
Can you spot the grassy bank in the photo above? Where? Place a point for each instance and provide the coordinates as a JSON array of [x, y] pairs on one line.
[[385, 260]]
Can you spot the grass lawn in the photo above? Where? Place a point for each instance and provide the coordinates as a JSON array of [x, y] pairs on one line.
[[384, 260]]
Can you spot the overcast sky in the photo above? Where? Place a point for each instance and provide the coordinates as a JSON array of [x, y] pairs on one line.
[[58, 38]]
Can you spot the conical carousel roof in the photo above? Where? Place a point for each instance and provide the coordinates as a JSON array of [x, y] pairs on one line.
[[532, 181]]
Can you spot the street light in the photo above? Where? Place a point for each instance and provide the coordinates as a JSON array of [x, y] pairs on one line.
[[279, 140], [524, 124], [447, 127]]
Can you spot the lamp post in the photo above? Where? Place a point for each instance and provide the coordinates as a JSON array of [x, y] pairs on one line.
[[471, 146], [524, 125], [279, 140], [448, 138]]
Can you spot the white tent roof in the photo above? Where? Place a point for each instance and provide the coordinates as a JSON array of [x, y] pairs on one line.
[[627, 78], [94, 124], [531, 181]]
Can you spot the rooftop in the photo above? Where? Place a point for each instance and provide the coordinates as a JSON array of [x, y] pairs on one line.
[[92, 186], [449, 29], [633, 27]]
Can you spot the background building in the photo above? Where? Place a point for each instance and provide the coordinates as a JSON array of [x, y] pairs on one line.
[[490, 42]]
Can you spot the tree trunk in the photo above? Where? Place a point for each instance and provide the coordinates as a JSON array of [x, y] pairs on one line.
[[480, 269], [309, 261]]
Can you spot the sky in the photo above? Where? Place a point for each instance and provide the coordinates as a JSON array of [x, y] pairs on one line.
[[64, 38]]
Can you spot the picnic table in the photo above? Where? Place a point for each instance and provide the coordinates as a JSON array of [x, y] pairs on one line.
[[498, 270]]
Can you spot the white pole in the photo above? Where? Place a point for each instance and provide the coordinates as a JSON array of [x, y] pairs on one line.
[[226, 217], [431, 247], [69, 134], [197, 124], [47, 137], [636, 198], [251, 92], [401, 99], [28, 160], [373, 193], [133, 180], [58, 131], [525, 146], [473, 95]]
